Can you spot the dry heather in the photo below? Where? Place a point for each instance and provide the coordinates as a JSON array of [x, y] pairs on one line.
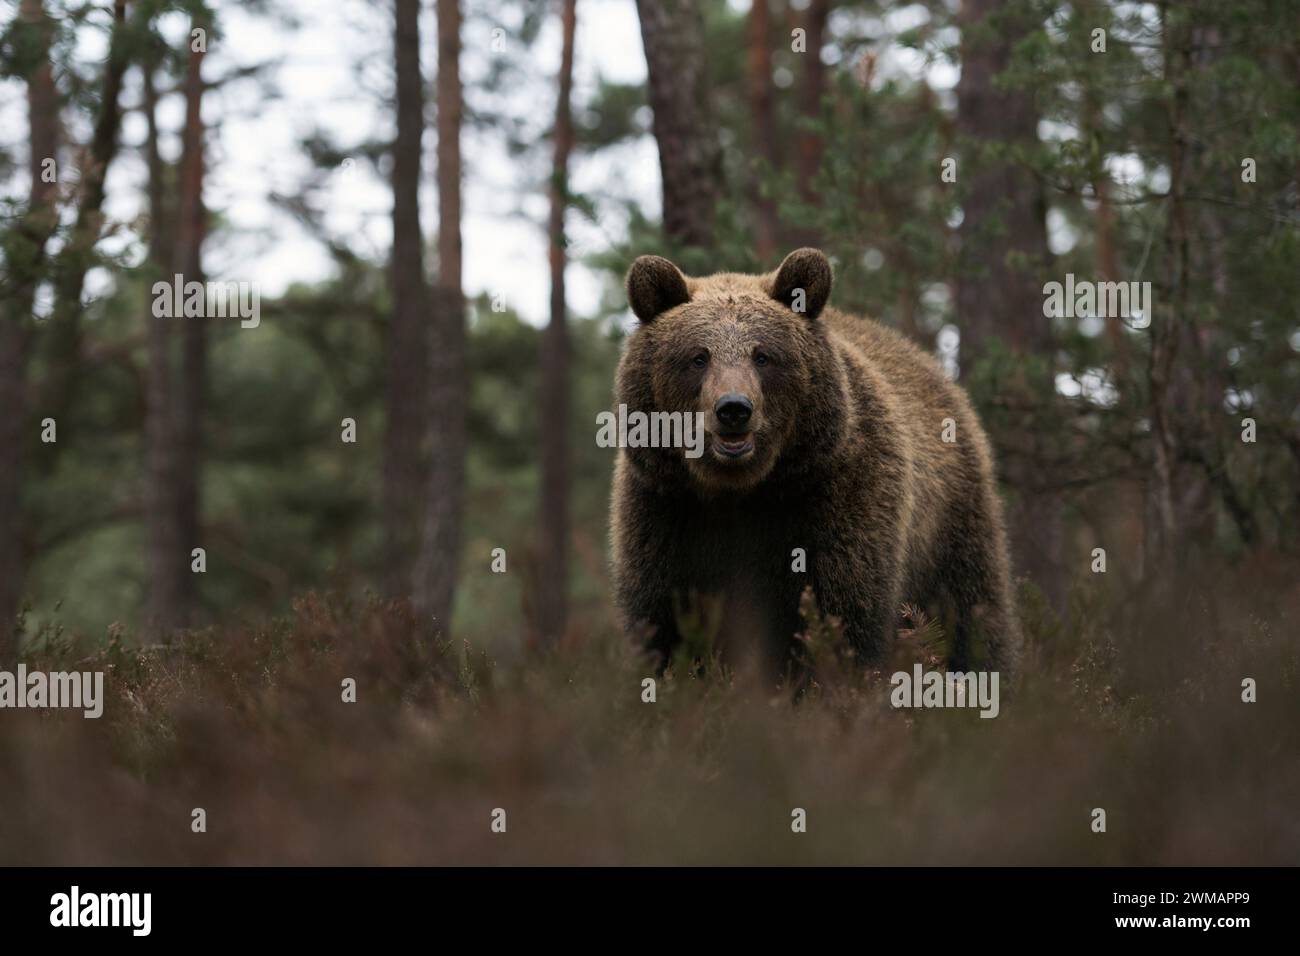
[[1135, 707]]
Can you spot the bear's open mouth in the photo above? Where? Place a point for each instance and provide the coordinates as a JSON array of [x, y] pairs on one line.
[[733, 446]]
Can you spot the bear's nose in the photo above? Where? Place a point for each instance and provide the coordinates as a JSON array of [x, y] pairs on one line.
[[733, 410]]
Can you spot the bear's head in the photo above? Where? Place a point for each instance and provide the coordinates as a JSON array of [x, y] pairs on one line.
[[749, 354]]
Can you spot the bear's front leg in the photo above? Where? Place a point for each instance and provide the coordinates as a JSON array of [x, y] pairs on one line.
[[645, 601], [860, 582]]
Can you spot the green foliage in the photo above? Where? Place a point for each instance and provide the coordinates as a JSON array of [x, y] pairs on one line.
[[289, 506]]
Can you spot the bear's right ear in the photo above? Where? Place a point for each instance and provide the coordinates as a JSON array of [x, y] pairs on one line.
[[803, 282], [655, 285]]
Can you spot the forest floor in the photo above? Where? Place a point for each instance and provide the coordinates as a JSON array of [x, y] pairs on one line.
[[1133, 706]]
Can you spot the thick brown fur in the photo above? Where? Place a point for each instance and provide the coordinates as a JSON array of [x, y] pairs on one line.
[[848, 463]]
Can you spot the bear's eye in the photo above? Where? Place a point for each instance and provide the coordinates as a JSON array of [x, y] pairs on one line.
[[760, 358], [700, 360]]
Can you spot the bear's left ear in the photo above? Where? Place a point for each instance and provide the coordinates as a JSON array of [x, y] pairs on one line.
[[803, 283]]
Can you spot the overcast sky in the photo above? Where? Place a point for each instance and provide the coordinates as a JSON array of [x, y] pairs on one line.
[[331, 71], [504, 214]]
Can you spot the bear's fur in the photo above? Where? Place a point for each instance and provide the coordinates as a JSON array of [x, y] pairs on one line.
[[847, 462]]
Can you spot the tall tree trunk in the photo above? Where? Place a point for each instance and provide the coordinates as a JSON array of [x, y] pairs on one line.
[[1002, 260], [165, 558], [43, 123], [811, 93], [672, 32], [766, 147], [74, 260], [408, 342], [439, 559], [26, 261], [194, 343], [1107, 260], [1003, 232], [1166, 331], [1125, 530], [553, 568], [14, 338], [1201, 376]]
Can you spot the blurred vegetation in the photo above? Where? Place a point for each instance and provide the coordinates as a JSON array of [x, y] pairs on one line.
[[290, 505], [1131, 707]]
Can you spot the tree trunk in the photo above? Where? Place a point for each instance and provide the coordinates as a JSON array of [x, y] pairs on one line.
[[1166, 330], [672, 32], [1107, 261], [165, 559], [553, 567], [439, 559], [766, 149], [1002, 261], [42, 114], [1201, 376], [194, 343], [14, 337], [74, 260], [27, 260], [810, 95], [406, 381], [1003, 233]]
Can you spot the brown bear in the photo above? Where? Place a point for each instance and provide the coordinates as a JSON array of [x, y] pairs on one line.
[[836, 454]]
